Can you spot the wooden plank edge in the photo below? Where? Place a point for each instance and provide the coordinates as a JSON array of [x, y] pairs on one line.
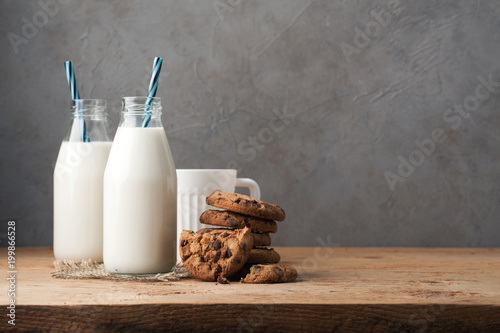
[[256, 318]]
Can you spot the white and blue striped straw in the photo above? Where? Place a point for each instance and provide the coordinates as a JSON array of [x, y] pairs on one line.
[[70, 74], [153, 87]]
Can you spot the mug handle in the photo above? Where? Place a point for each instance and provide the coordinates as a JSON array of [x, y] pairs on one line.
[[251, 185]]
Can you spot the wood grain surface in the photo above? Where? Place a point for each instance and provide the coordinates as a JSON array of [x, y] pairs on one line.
[[339, 289]]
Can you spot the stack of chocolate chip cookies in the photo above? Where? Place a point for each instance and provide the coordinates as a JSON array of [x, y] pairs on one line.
[[217, 254]]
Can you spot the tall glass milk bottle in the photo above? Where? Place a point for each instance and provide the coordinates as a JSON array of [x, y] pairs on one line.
[[78, 183], [140, 193]]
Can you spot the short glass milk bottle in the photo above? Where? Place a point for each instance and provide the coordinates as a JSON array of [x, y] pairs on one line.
[[140, 193], [78, 183]]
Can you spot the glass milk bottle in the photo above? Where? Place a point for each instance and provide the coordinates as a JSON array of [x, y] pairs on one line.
[[78, 183], [140, 193]]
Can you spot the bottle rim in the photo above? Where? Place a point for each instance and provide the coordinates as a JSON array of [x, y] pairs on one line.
[[88, 105], [145, 98], [132, 105]]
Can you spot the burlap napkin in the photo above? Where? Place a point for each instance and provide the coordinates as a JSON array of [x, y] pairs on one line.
[[88, 269]]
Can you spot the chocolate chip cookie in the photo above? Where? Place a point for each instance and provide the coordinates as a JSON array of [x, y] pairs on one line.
[[210, 254], [237, 221], [243, 204], [263, 255], [259, 239], [270, 274]]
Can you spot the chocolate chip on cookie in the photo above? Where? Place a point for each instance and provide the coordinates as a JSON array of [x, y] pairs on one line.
[[243, 204], [270, 274], [263, 256], [237, 221], [210, 254]]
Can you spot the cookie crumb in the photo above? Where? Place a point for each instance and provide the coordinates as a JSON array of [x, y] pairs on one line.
[[222, 280]]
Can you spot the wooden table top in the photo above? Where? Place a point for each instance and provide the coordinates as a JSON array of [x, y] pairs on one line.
[[348, 289]]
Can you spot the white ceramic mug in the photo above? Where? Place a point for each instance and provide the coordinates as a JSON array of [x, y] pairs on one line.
[[195, 185]]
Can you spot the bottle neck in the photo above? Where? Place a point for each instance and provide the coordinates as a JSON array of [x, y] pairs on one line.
[[89, 121], [91, 109], [141, 112]]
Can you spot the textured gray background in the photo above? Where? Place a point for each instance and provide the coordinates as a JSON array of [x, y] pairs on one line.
[[230, 66]]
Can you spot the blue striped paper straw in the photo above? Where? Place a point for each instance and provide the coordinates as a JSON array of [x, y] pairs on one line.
[[153, 87], [70, 74]]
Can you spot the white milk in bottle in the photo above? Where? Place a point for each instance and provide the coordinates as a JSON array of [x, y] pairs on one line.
[[140, 194], [78, 183]]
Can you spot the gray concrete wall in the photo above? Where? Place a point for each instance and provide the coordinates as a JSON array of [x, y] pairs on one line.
[[356, 84]]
